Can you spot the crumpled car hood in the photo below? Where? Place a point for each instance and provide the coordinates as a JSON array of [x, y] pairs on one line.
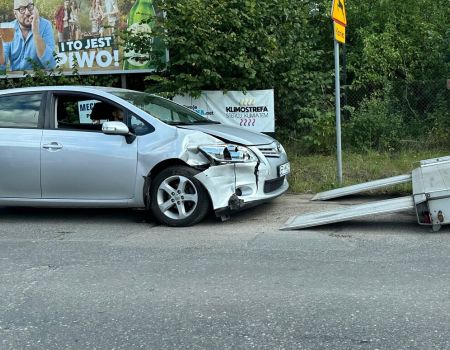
[[232, 134]]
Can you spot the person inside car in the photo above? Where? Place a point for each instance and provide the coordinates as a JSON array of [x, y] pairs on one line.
[[103, 111]]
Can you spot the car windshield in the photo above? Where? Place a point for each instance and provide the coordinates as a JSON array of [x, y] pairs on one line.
[[162, 109]]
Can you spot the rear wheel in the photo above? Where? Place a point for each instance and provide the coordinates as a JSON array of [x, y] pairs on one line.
[[177, 198]]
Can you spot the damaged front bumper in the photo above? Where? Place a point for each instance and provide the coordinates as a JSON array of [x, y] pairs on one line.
[[233, 187]]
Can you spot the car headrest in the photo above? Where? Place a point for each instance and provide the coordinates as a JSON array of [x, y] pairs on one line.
[[101, 110]]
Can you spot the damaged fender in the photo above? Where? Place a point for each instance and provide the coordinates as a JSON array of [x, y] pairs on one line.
[[226, 181]]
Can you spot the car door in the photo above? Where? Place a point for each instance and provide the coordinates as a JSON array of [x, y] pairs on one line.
[[21, 122], [79, 161]]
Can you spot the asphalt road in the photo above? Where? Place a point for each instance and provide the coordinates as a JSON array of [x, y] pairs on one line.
[[102, 279]]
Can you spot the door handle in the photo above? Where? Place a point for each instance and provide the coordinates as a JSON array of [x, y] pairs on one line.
[[52, 146]]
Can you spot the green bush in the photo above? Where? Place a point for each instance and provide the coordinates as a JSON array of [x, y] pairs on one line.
[[438, 123], [319, 131], [374, 126]]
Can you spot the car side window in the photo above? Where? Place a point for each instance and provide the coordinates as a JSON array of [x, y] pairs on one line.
[[140, 127], [20, 111], [81, 113]]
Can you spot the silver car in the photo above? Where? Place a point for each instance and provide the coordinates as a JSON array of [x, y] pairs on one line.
[[72, 146]]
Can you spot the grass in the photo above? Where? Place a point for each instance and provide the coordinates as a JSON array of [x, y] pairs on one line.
[[316, 173]]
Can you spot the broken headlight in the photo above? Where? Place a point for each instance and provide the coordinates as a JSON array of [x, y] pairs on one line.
[[228, 153], [280, 148]]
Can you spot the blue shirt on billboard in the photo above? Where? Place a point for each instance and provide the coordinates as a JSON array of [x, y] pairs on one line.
[[19, 51]]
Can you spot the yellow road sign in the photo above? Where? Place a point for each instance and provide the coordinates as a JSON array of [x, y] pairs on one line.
[[339, 32], [338, 12]]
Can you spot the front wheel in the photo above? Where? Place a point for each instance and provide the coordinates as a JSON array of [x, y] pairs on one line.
[[177, 198]]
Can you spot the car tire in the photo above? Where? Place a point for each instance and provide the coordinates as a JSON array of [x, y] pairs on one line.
[[177, 198]]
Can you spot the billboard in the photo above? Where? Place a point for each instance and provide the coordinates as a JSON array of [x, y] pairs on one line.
[[81, 34], [253, 110]]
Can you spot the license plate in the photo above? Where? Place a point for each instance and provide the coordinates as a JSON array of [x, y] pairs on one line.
[[284, 169]]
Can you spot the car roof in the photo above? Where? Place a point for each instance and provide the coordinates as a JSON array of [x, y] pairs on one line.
[[76, 88]]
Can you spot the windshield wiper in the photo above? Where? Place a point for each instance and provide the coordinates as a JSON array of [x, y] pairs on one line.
[[205, 122], [176, 123], [197, 122]]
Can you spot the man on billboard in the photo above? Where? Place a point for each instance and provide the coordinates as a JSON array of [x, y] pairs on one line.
[[32, 40]]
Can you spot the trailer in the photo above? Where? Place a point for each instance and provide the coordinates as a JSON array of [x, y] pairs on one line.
[[430, 198]]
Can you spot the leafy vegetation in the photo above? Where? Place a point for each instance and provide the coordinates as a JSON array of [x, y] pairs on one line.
[[398, 61]]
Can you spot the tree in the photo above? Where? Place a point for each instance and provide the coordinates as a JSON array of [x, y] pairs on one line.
[[241, 45]]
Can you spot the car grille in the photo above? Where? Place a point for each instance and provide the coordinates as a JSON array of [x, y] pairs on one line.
[[270, 151], [274, 184]]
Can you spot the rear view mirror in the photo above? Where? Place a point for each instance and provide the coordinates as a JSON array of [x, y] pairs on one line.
[[115, 128], [118, 128]]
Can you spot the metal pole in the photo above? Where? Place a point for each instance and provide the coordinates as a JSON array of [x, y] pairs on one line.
[[338, 111], [123, 81]]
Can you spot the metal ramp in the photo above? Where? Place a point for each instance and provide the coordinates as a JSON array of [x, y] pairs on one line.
[[367, 186], [349, 212], [430, 198]]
